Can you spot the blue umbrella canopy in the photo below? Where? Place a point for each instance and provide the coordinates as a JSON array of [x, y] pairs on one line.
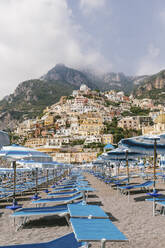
[[109, 146], [145, 144], [16, 152], [35, 164], [121, 153]]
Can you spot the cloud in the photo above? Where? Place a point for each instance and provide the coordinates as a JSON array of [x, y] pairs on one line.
[[35, 35], [150, 63], [153, 51], [87, 6]]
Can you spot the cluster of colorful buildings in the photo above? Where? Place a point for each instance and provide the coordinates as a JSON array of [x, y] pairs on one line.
[[74, 131]]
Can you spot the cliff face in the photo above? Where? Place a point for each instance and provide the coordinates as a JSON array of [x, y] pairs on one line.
[[29, 99], [68, 75], [152, 87]]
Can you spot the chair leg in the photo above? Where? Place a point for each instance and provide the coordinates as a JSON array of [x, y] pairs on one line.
[[103, 243]]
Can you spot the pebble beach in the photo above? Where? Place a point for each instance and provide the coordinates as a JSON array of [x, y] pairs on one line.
[[133, 217]]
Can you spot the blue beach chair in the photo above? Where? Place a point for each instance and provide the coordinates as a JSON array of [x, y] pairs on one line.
[[24, 214], [97, 230], [66, 241], [58, 200], [144, 186]]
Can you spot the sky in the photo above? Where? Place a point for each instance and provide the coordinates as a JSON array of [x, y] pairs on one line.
[[102, 35]]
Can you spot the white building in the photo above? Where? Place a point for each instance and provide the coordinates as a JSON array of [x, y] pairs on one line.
[[93, 139]]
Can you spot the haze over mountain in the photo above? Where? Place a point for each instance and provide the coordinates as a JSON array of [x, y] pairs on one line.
[[32, 96]]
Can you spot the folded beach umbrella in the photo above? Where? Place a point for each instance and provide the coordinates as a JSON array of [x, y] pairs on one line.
[[150, 145], [122, 153]]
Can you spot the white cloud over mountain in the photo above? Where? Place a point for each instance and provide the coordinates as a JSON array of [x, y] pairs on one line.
[[35, 35], [150, 63]]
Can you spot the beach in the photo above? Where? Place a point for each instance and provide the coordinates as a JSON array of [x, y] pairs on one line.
[[134, 218]]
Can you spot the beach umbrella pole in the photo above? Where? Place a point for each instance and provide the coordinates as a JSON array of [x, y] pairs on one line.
[[47, 180], [155, 155], [36, 197], [14, 181], [36, 182], [126, 158], [53, 176], [15, 205]]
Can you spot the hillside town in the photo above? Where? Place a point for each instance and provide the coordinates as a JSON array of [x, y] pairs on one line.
[[78, 127]]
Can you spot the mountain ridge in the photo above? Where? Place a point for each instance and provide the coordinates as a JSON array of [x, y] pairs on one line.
[[32, 96]]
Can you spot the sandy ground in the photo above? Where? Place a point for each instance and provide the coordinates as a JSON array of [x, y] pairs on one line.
[[134, 218]]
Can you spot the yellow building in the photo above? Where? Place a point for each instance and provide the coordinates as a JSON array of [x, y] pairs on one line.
[[129, 123], [35, 142], [50, 150], [90, 124], [107, 139], [74, 157], [49, 120]]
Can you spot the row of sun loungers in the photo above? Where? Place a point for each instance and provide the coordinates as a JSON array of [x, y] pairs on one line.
[[125, 189], [89, 222], [7, 191]]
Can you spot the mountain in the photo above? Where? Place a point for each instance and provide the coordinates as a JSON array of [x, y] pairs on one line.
[[107, 81], [32, 96], [152, 87], [69, 76], [29, 99]]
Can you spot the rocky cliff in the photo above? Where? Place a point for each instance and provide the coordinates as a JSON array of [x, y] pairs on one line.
[[152, 87]]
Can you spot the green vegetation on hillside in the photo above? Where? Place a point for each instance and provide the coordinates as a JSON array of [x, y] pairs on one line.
[[118, 132], [136, 111], [33, 96]]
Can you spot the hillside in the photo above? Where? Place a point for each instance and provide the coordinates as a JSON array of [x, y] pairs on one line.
[[153, 87], [29, 99], [32, 96]]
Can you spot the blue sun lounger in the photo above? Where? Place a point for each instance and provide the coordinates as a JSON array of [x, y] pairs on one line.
[[61, 209], [100, 230], [25, 213], [144, 186], [65, 185], [58, 200], [65, 193], [64, 188], [156, 199], [118, 182], [86, 211], [66, 241], [85, 191]]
